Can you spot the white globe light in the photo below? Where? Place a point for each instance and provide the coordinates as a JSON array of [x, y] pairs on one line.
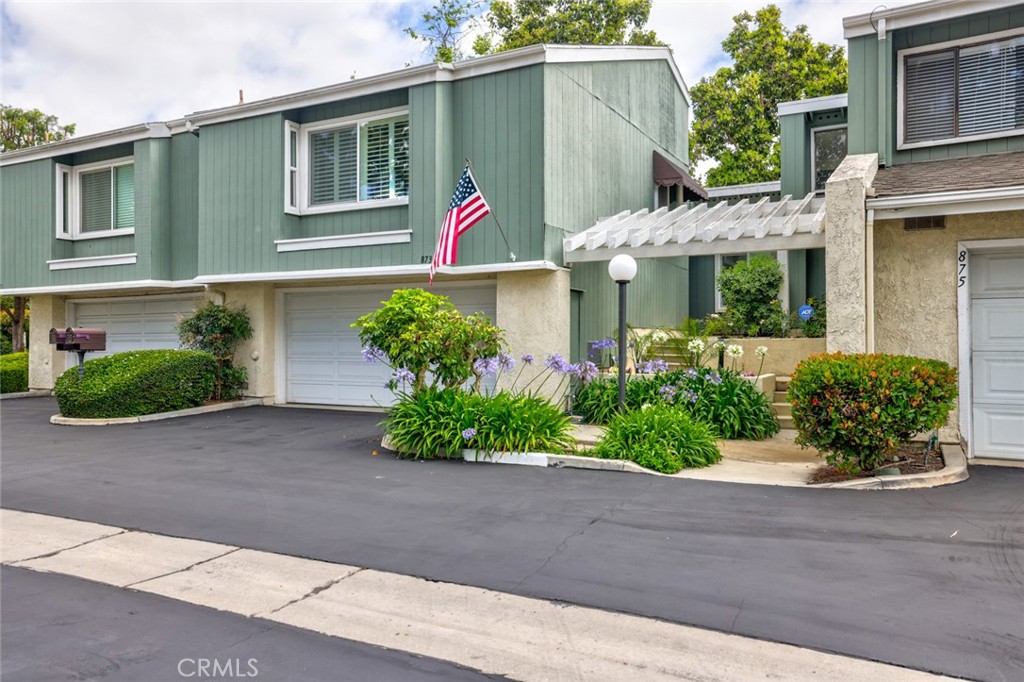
[[622, 268]]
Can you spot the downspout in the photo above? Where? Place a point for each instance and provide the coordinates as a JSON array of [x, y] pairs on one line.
[[869, 279]]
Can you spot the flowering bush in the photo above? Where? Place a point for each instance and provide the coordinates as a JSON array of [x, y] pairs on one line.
[[427, 337], [659, 437], [731, 405], [441, 422], [858, 408]]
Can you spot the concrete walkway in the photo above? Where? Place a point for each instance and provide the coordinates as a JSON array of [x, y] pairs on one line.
[[494, 632]]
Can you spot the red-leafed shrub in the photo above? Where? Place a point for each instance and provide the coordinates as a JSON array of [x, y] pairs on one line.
[[857, 409]]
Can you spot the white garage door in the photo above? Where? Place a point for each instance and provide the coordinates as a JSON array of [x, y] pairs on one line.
[[997, 354], [323, 360], [137, 323]]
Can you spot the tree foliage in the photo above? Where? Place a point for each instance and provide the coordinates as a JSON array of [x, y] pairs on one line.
[[217, 330], [20, 128], [736, 109], [443, 27], [518, 23]]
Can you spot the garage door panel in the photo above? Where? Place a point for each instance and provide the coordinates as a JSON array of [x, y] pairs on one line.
[[998, 378], [997, 323], [318, 330], [997, 274], [999, 431]]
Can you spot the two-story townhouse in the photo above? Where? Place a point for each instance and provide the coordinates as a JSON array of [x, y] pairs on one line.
[[311, 208], [925, 218]]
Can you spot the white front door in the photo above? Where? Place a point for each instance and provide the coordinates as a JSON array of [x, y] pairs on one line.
[[133, 323], [997, 354], [323, 359]]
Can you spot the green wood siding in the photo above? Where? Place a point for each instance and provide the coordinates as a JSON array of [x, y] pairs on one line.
[[184, 208], [658, 297], [602, 123], [873, 89], [26, 223], [796, 155], [702, 286]]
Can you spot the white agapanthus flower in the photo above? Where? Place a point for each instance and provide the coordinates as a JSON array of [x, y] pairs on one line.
[[659, 336], [645, 406], [696, 346], [761, 351], [719, 346], [734, 351]]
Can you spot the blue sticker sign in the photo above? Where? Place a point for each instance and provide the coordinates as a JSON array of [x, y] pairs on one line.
[[805, 312]]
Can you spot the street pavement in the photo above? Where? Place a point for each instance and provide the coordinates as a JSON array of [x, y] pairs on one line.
[[927, 579]]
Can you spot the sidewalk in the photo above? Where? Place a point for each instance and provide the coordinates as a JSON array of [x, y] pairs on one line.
[[494, 632]]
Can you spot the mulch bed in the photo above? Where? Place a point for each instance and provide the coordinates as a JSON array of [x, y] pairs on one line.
[[910, 460]]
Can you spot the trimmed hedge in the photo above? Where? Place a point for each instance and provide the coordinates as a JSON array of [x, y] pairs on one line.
[[136, 383], [857, 409], [661, 437], [14, 373]]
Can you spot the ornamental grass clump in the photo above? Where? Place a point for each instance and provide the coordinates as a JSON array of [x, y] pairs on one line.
[[858, 409], [661, 437]]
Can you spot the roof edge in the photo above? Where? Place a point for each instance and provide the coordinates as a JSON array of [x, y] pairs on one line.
[[915, 15], [72, 145], [803, 106]]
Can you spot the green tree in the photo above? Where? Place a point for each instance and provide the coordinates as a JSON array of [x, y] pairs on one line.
[[735, 110], [518, 23], [443, 27], [20, 128]]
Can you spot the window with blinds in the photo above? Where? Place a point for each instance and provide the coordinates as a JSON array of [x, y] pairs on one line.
[[95, 199], [964, 91], [351, 163]]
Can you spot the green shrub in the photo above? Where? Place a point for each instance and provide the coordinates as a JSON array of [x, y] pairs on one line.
[[750, 291], [817, 326], [217, 330], [136, 383], [661, 437], [724, 399], [14, 373], [441, 422], [425, 335], [858, 408]]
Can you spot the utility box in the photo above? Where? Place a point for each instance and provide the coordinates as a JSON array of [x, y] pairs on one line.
[[85, 339]]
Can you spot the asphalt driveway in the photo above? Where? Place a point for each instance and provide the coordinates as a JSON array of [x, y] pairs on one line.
[[926, 579]]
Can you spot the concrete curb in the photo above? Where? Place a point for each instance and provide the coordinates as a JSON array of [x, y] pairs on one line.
[[160, 416], [34, 393], [954, 472]]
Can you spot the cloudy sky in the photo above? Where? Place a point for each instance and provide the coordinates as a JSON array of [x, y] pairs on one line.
[[105, 65]]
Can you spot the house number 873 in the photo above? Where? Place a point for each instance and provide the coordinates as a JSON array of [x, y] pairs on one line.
[[961, 269]]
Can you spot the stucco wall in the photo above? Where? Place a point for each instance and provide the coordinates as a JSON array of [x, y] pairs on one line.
[[45, 363], [533, 309], [256, 355], [915, 281], [845, 227]]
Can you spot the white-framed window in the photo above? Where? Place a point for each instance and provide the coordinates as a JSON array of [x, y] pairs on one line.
[[828, 149], [348, 163], [962, 90], [95, 200]]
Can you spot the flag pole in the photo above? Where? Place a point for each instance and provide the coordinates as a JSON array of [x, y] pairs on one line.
[[511, 255]]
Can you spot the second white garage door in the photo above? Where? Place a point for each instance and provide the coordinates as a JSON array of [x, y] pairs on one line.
[[323, 360]]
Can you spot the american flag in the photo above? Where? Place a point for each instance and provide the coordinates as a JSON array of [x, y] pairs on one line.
[[467, 208]]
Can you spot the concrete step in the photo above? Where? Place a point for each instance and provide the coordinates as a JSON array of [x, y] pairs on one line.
[[786, 422], [780, 397], [782, 409], [781, 383]]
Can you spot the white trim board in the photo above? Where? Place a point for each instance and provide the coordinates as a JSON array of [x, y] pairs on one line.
[[915, 15], [110, 138], [991, 200], [64, 289], [92, 261], [377, 271], [344, 241], [805, 106]]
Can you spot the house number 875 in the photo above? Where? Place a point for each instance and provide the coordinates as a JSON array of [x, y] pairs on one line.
[[961, 269]]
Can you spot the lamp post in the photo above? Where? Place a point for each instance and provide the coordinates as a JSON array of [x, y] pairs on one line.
[[622, 270]]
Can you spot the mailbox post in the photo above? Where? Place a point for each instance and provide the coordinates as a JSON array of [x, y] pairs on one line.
[[79, 340]]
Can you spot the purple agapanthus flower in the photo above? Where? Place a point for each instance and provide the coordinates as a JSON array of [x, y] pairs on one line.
[[527, 359], [691, 373], [588, 371], [486, 366], [690, 396], [715, 378], [372, 354], [467, 434], [668, 392], [506, 362], [657, 365], [602, 344], [556, 363], [404, 376]]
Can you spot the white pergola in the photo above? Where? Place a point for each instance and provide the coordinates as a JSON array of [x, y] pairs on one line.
[[704, 229]]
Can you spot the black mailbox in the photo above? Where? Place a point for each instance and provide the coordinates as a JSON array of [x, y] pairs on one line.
[[85, 339]]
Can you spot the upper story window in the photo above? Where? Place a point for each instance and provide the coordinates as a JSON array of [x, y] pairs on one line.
[[828, 149], [96, 200], [965, 91], [347, 163]]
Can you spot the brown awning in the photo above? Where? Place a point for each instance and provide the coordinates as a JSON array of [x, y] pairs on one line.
[[667, 174]]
